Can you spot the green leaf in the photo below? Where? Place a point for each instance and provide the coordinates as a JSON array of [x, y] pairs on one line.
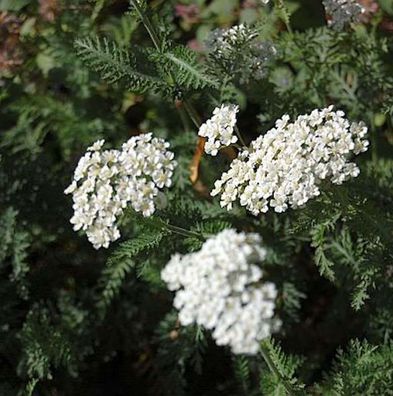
[[123, 261], [324, 264], [364, 369], [187, 69], [97, 9], [14, 249], [44, 346], [318, 241], [387, 6], [115, 64], [285, 365], [242, 372], [13, 5]]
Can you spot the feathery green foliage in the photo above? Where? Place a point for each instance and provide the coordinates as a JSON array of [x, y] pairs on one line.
[[364, 369], [124, 259], [44, 346], [286, 366], [116, 64], [184, 64], [14, 246]]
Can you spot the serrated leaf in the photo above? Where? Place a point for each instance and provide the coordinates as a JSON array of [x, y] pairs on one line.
[[116, 64], [122, 262], [189, 72]]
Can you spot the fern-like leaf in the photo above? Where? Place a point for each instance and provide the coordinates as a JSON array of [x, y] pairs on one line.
[[363, 370], [242, 372], [44, 346], [14, 250], [285, 366], [318, 236], [123, 261], [189, 72], [115, 64]]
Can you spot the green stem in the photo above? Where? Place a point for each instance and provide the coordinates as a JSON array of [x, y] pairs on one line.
[[182, 231], [147, 23], [239, 135], [196, 119], [275, 371], [184, 119]]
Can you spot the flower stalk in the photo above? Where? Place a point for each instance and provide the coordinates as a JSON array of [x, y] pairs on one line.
[[180, 230], [184, 232]]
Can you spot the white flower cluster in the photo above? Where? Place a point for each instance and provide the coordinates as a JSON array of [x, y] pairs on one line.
[[219, 129], [285, 166], [220, 288], [342, 12], [229, 39], [106, 181]]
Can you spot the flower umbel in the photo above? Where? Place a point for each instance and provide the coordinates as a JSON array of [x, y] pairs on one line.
[[285, 167], [219, 129], [220, 288], [342, 12], [239, 51], [106, 181]]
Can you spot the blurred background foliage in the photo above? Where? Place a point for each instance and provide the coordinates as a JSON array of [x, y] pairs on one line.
[[73, 322]]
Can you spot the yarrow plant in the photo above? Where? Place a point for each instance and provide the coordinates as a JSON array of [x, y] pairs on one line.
[[221, 288], [342, 12], [107, 181], [286, 166], [219, 130], [223, 299]]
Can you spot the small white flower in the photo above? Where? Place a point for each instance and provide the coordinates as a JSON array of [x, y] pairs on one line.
[[220, 287], [285, 167], [219, 130], [96, 146], [106, 181], [71, 188]]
